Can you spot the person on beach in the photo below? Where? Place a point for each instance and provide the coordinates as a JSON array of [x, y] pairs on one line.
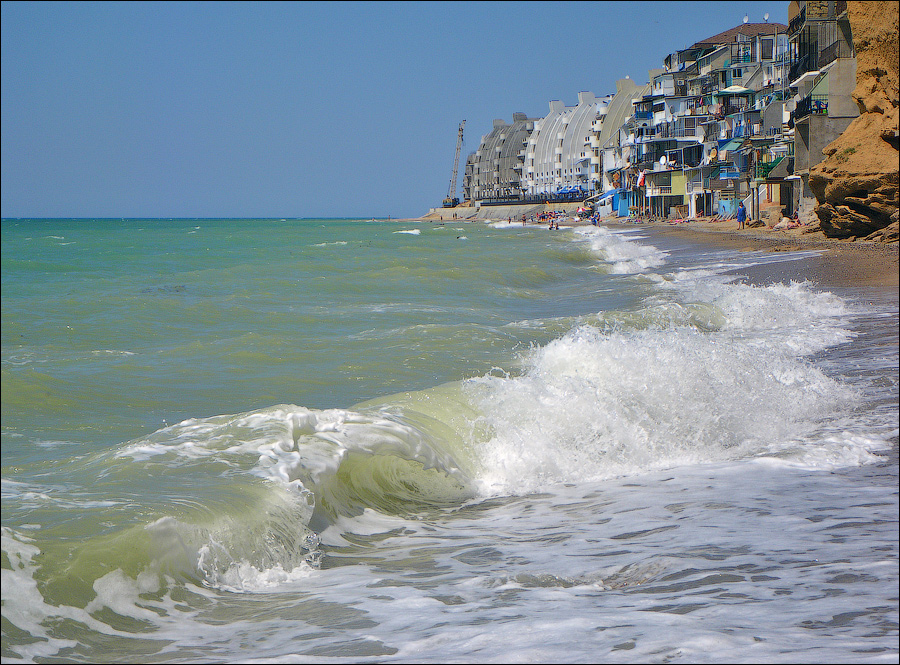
[[741, 215]]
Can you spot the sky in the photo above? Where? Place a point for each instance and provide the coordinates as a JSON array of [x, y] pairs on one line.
[[298, 109]]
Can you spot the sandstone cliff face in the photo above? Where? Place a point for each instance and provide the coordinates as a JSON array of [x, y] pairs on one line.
[[856, 185]]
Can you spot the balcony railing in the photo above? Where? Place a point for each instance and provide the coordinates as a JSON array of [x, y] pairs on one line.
[[812, 105], [687, 132], [797, 22], [728, 109], [839, 49], [764, 169]]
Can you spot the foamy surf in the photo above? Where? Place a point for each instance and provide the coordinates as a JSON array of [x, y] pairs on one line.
[[605, 445]]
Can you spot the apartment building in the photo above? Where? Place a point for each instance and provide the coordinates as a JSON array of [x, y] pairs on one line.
[[493, 173], [558, 154], [740, 116], [696, 128], [823, 76]]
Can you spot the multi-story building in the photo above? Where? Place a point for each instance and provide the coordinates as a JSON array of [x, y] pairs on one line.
[[617, 145], [823, 77], [493, 172], [742, 115], [693, 130], [558, 152]]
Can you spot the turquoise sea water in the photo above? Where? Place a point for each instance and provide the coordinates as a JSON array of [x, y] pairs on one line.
[[351, 440]]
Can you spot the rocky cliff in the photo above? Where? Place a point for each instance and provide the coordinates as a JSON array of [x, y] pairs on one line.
[[856, 185]]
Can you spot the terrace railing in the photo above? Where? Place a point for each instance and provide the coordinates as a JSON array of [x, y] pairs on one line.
[[797, 22], [838, 49], [764, 169], [811, 105]]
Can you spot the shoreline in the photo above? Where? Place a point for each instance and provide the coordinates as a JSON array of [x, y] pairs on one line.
[[839, 263]]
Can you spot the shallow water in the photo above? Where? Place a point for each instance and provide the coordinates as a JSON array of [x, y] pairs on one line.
[[278, 440]]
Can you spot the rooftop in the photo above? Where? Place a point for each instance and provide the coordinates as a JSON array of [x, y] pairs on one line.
[[745, 29]]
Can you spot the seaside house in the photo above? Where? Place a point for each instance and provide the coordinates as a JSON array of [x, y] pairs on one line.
[[822, 78], [694, 130], [615, 144], [740, 116]]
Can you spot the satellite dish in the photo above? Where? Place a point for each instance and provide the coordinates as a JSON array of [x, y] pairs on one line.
[[746, 18], [662, 160], [766, 17], [713, 155]]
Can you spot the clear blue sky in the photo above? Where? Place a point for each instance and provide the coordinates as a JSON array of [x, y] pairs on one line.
[[296, 109]]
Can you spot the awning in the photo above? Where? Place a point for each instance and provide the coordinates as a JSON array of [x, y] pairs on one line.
[[730, 145], [609, 194], [733, 90]]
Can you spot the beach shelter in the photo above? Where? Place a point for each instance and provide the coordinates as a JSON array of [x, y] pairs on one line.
[[732, 90]]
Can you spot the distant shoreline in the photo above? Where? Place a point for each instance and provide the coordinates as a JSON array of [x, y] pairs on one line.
[[841, 263]]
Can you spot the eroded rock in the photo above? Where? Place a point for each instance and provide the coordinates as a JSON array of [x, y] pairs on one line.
[[856, 185]]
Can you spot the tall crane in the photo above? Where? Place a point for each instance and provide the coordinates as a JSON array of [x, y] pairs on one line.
[[451, 199]]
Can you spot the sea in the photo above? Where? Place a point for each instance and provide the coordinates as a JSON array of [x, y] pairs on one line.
[[382, 441]]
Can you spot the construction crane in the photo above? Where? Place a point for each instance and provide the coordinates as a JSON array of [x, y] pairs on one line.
[[451, 199]]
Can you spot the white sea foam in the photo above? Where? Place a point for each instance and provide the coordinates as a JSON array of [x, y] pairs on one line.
[[684, 474], [620, 252]]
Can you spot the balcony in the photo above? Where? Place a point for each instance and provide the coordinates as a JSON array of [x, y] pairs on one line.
[[763, 170], [691, 186], [797, 22], [838, 49], [687, 132], [731, 109], [811, 105], [659, 190], [729, 173]]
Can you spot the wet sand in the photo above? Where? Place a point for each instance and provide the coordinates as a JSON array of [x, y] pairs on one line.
[[838, 263]]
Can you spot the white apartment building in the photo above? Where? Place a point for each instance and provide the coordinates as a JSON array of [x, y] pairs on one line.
[[558, 154]]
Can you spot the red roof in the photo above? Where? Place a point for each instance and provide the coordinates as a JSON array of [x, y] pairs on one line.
[[747, 29]]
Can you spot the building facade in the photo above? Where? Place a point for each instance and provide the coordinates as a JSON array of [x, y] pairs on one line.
[[740, 116], [823, 76], [493, 172], [558, 154]]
